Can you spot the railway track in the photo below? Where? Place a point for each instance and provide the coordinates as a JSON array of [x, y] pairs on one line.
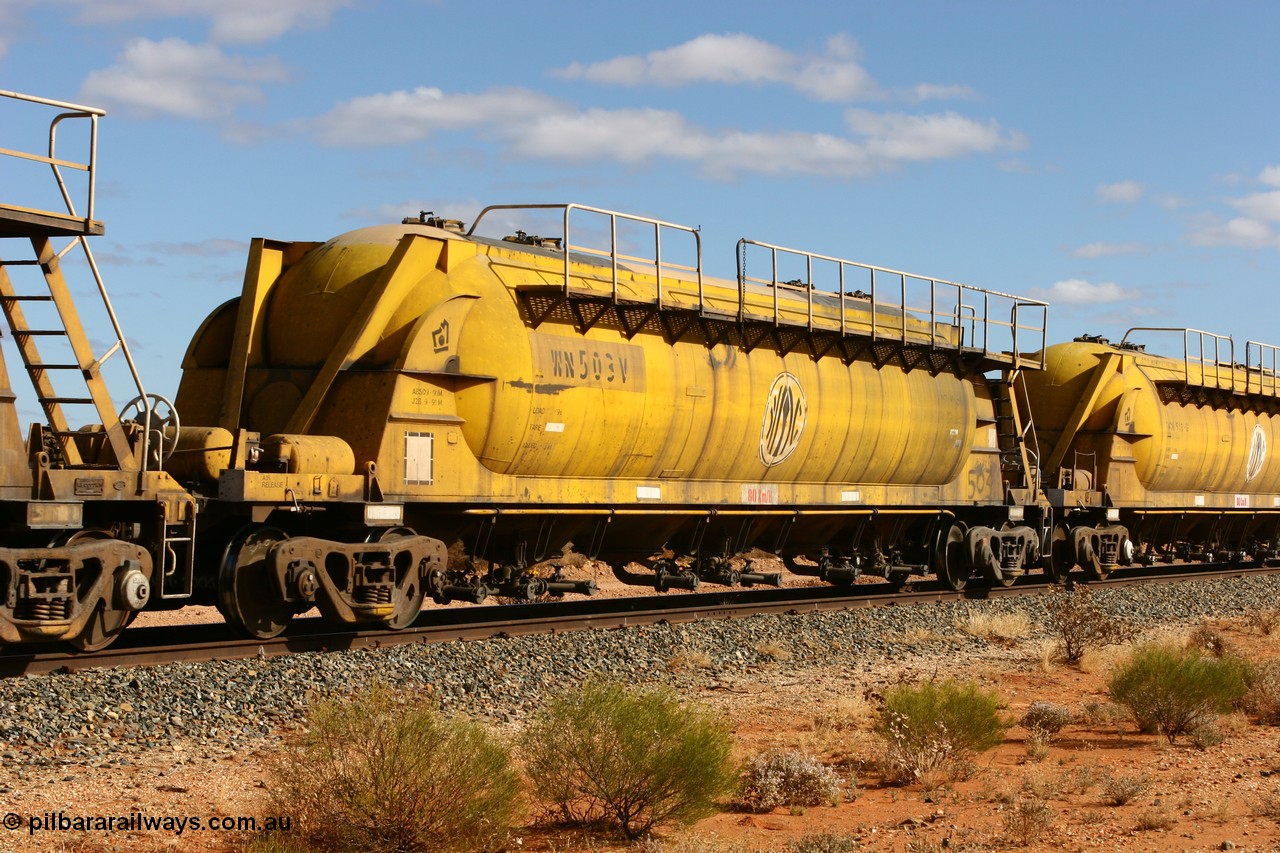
[[215, 641]]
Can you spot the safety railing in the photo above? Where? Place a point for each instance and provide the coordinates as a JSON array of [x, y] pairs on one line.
[[1261, 363], [892, 305], [662, 267], [1208, 358], [51, 159], [901, 307], [1209, 361]]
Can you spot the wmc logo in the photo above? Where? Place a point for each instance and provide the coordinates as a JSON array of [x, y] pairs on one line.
[[784, 417], [1257, 453]]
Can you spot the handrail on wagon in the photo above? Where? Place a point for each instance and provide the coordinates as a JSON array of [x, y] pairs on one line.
[[1264, 366], [1209, 360], [614, 254], [52, 159], [1203, 354], [947, 306]]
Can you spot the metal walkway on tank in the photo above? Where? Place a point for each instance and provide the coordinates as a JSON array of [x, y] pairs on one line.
[[832, 307]]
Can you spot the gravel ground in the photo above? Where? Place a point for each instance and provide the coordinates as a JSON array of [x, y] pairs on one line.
[[106, 718]]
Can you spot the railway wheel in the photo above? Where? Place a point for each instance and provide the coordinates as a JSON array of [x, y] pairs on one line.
[[248, 596], [104, 626], [406, 613], [950, 561], [1057, 553]]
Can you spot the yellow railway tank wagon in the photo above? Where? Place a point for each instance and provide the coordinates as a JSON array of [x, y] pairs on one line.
[[523, 395], [1178, 449]]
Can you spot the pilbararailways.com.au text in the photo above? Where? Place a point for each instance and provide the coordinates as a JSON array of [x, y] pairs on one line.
[[141, 822]]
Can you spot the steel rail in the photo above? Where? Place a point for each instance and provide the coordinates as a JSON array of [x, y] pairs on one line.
[[207, 642]]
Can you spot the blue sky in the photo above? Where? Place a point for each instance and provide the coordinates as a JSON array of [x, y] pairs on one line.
[[1119, 160]]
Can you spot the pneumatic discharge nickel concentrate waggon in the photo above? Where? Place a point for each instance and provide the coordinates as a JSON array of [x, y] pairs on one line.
[[415, 410]]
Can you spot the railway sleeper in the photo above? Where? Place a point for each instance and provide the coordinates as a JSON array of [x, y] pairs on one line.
[[67, 593]]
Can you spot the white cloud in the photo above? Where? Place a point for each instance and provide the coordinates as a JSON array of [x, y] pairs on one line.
[[1264, 206], [737, 58], [230, 21], [1123, 192], [1077, 291], [1105, 250], [530, 124], [895, 136], [1241, 232], [1253, 230], [176, 78], [934, 92], [396, 118]]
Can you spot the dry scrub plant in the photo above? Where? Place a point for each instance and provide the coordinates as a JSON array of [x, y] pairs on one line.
[[1081, 625], [602, 753], [931, 729], [1263, 698], [1028, 820], [387, 772], [788, 778]]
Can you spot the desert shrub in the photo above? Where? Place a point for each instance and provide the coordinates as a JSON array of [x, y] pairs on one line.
[[1268, 805], [1175, 691], [386, 772], [1207, 734], [1264, 619], [933, 727], [1208, 639], [787, 778], [1046, 719], [823, 842], [1081, 625], [1263, 698], [1155, 819], [1101, 713], [1028, 820], [602, 753], [1119, 790]]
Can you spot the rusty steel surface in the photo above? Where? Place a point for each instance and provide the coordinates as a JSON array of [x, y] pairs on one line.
[[207, 642]]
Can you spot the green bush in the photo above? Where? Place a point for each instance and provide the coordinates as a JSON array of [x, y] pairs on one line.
[[384, 772], [933, 727], [1175, 691], [637, 759]]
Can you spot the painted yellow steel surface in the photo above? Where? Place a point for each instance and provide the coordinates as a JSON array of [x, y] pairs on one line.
[[201, 454], [413, 345], [311, 454], [1211, 441]]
